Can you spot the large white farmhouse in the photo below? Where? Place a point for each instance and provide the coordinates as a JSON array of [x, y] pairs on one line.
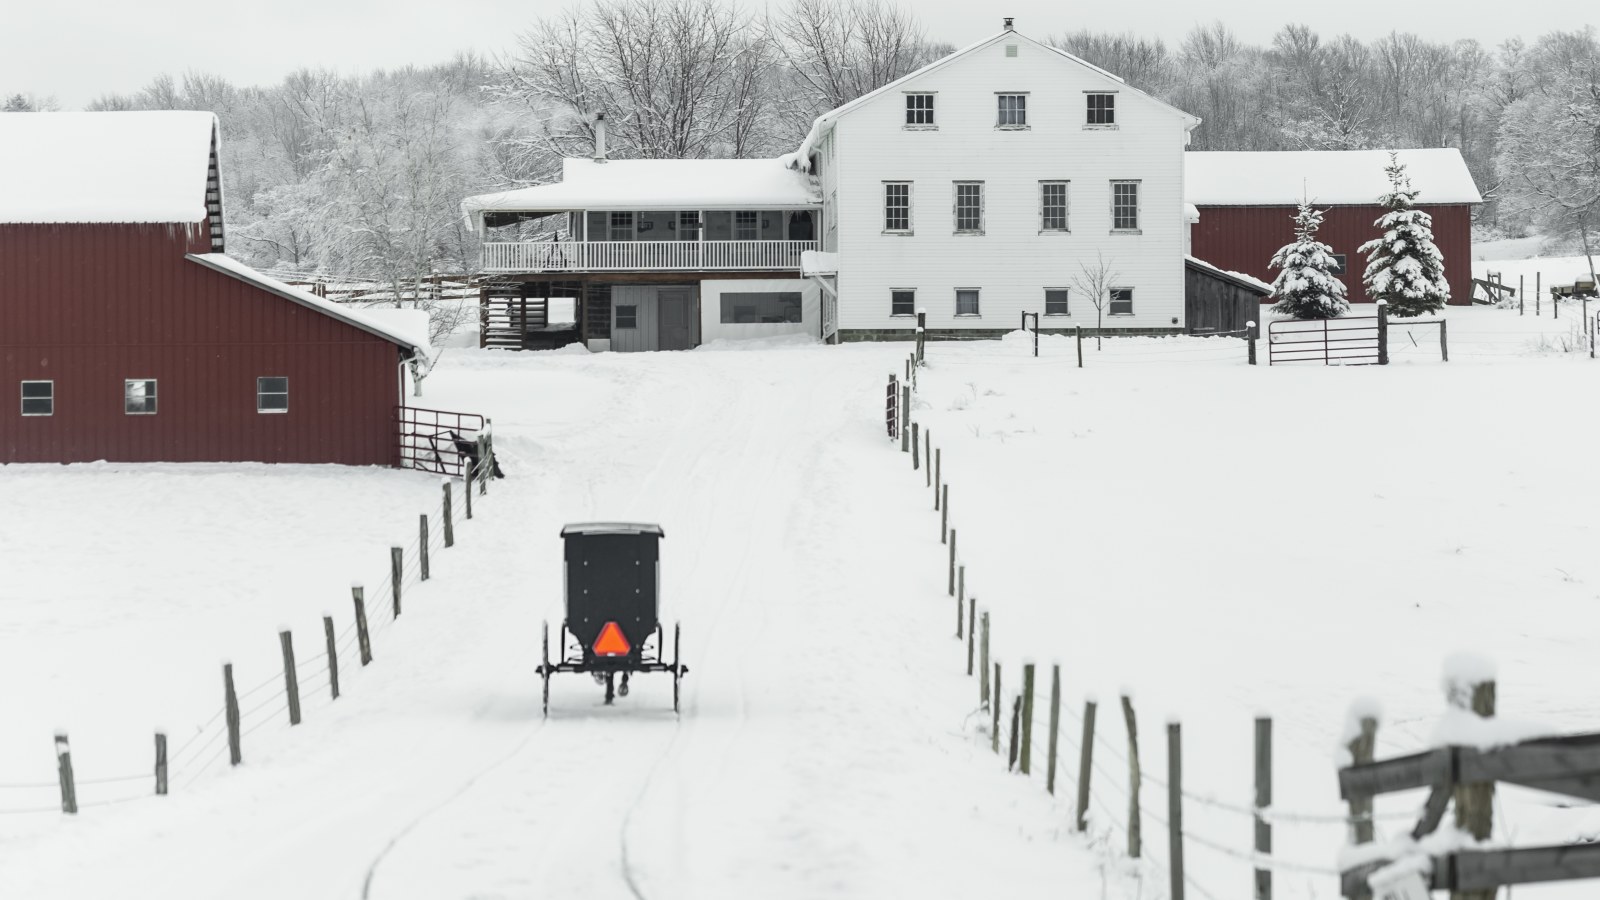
[[1007, 177]]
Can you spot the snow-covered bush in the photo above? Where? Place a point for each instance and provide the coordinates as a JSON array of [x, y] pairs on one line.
[[1403, 266], [1306, 287]]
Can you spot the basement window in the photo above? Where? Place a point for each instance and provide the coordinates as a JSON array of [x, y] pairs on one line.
[[1121, 302], [272, 395], [1055, 302], [903, 302], [139, 396], [38, 398]]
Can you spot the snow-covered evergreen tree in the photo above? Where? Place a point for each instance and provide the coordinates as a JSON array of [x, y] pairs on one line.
[[1307, 288], [1404, 267]]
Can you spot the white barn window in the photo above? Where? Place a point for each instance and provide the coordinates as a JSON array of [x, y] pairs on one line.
[[897, 207], [967, 302], [38, 398], [1124, 206], [1012, 111], [1100, 109], [1055, 302], [1121, 302], [139, 396], [903, 301], [919, 110], [1053, 206], [969, 207]]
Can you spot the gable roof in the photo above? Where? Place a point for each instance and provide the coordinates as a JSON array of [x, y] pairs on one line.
[[93, 167], [800, 159], [659, 184], [1239, 279], [411, 336], [1326, 177]]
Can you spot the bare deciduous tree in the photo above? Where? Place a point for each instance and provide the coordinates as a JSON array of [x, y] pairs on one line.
[[1094, 281]]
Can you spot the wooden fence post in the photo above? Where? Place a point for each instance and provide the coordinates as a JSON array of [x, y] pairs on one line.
[[449, 518], [944, 516], [1175, 809], [905, 418], [916, 446], [1538, 291], [161, 764], [972, 630], [1521, 296], [1080, 346], [1085, 763], [961, 598], [922, 335], [1475, 802], [69, 787], [422, 545], [952, 588], [231, 704], [983, 661], [927, 456], [1016, 713], [291, 677], [938, 476], [1444, 339], [994, 706], [1250, 336], [1055, 728], [363, 640], [1361, 750], [1135, 779], [333, 656], [1263, 801], [397, 571], [1383, 337], [1026, 756], [467, 493], [891, 413]]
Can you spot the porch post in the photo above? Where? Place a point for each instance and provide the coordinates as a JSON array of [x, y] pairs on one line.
[[700, 241]]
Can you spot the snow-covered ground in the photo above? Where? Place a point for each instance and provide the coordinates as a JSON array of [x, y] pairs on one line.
[[1218, 539]]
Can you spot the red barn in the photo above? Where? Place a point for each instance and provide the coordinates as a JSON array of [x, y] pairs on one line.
[[127, 335], [1247, 202]]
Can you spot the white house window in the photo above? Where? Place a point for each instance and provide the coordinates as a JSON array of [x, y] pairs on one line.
[[272, 395], [969, 207], [1124, 206], [1101, 109], [774, 307], [621, 226], [1055, 302], [38, 398], [967, 301], [1121, 302], [897, 207], [919, 109], [688, 226], [903, 302], [1013, 111], [746, 225], [627, 316], [1052, 206], [139, 396]]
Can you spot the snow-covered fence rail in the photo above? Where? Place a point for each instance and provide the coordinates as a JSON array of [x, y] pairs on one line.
[[300, 685], [1096, 788]]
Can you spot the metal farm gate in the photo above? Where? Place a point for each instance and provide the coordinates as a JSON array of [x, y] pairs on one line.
[[1352, 341]]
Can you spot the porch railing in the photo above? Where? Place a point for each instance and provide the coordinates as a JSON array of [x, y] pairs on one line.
[[667, 256]]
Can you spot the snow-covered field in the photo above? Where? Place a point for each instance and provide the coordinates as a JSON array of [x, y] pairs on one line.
[[1218, 539]]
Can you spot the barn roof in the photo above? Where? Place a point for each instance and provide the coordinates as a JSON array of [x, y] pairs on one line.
[[92, 167], [1248, 282], [661, 184], [408, 332], [1326, 177]]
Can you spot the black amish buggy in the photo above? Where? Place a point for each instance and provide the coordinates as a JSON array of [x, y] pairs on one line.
[[613, 587]]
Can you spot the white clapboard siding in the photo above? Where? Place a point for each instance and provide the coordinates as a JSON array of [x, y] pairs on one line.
[[1012, 262]]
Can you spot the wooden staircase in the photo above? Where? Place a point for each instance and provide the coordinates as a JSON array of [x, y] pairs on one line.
[[505, 322], [214, 198]]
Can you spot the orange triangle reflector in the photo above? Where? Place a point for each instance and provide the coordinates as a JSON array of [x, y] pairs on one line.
[[611, 641]]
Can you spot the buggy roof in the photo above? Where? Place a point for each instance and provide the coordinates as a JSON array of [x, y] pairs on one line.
[[612, 528]]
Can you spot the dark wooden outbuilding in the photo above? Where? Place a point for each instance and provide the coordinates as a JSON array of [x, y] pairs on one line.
[[1247, 204], [127, 335], [1220, 302]]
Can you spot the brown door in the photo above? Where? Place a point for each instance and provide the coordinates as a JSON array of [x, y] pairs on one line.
[[676, 311]]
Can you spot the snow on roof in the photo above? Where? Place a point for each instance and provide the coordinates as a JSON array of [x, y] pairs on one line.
[[1242, 279], [799, 158], [1327, 177], [86, 167], [671, 184], [409, 332]]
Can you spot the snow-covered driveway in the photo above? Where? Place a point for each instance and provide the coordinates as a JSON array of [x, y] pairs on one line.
[[821, 750]]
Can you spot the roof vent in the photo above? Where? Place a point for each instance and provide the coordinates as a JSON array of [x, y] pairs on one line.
[[1011, 50], [1008, 24]]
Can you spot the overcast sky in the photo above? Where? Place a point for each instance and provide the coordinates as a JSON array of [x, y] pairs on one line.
[[76, 51]]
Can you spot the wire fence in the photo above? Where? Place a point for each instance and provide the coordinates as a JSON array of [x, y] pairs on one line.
[[1103, 794], [268, 701]]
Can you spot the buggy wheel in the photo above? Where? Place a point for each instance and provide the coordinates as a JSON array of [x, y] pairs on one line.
[[545, 669], [677, 664]]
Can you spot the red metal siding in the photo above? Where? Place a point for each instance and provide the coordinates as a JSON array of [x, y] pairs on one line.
[[88, 306], [1243, 239]]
